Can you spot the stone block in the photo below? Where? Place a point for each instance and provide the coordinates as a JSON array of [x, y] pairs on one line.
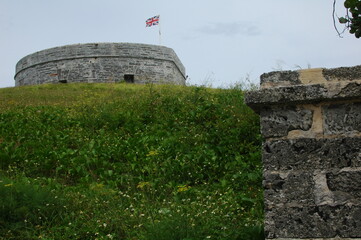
[[293, 188], [302, 94], [343, 73], [346, 181], [278, 122], [285, 95], [289, 77], [310, 76], [326, 193], [304, 188], [314, 222], [342, 118], [310, 153], [350, 91]]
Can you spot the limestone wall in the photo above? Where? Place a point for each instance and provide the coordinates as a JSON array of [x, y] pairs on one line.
[[101, 62], [311, 124]]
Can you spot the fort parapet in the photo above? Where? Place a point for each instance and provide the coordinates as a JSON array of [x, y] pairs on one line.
[[101, 62], [311, 125]]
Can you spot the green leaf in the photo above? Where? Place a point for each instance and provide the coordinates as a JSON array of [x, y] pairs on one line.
[[358, 33], [350, 3], [343, 20]]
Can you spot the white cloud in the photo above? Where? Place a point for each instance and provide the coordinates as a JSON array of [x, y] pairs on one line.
[[230, 29]]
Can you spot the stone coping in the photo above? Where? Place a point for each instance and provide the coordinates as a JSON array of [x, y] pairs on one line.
[[101, 50], [310, 76], [306, 86]]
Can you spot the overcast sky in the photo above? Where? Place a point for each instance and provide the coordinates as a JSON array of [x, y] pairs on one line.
[[220, 43]]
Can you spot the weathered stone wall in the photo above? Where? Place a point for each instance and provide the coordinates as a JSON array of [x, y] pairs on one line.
[[101, 62], [311, 124]]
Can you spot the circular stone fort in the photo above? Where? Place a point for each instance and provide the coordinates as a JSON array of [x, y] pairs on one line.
[[101, 63]]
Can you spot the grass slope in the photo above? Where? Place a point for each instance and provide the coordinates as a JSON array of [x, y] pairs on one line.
[[118, 161]]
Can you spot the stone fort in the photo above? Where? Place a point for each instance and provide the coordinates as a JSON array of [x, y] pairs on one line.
[[101, 62]]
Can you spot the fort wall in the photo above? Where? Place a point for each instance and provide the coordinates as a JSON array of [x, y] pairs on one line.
[[101, 62]]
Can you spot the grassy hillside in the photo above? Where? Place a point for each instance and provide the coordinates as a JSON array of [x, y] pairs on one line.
[[118, 161]]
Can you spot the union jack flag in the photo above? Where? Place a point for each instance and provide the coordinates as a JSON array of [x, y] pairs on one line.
[[152, 21]]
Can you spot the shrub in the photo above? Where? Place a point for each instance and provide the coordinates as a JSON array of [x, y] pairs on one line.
[[26, 206]]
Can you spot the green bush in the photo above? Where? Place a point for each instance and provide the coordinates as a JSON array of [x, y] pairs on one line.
[[24, 205]]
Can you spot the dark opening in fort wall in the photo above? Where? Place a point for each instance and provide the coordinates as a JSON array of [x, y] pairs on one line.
[[101, 62], [311, 125]]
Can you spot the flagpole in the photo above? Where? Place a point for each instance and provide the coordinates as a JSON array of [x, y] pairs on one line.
[[160, 32], [152, 22]]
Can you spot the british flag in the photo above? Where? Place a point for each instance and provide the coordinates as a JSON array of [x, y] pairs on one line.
[[152, 21]]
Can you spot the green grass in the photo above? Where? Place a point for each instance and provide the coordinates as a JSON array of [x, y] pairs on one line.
[[135, 162]]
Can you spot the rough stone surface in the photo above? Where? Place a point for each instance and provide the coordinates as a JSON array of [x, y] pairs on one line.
[[285, 95], [314, 222], [343, 73], [345, 181], [101, 62], [291, 188], [350, 91], [280, 76], [307, 188], [324, 194], [278, 122], [301, 94], [309, 154], [342, 118], [310, 76]]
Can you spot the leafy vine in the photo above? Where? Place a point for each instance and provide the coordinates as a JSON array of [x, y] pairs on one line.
[[352, 19]]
